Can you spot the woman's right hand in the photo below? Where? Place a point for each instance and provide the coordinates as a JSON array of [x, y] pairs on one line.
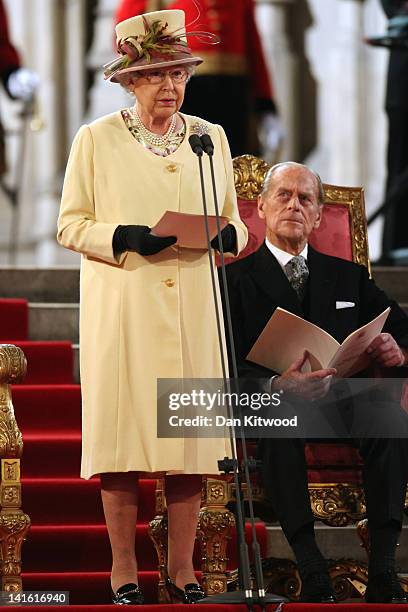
[[139, 238]]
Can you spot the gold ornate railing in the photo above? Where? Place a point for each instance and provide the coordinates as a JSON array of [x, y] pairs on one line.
[[14, 523]]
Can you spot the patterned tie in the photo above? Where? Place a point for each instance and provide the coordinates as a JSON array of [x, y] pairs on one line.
[[297, 272]]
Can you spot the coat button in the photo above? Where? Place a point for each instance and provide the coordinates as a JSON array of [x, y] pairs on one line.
[[171, 168], [169, 282]]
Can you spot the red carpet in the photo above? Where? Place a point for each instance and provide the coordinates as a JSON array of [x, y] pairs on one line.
[[13, 319], [48, 362], [150, 608], [67, 547], [359, 607]]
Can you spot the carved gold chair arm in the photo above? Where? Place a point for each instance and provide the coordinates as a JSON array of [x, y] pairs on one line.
[[14, 523]]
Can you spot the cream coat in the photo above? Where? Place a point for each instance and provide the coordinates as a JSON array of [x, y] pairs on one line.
[[141, 318]]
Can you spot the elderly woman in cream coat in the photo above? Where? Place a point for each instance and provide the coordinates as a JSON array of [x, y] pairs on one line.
[[146, 305]]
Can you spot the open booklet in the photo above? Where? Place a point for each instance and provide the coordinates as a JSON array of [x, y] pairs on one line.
[[286, 336], [189, 228]]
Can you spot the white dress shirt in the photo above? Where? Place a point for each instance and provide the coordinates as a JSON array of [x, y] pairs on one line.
[[282, 256]]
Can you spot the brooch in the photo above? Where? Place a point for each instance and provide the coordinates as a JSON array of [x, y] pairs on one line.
[[200, 128]]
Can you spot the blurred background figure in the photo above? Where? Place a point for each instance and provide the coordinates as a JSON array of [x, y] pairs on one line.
[[232, 86], [19, 83], [395, 237]]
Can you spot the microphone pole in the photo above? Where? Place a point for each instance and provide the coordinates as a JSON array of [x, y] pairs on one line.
[[197, 148], [208, 147], [262, 599], [247, 596]]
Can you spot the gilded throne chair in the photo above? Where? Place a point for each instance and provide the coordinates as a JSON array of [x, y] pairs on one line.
[[334, 469]]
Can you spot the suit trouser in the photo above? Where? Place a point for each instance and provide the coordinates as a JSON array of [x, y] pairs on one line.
[[284, 475]]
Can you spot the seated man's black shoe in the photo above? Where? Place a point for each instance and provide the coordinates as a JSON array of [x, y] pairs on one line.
[[317, 588], [385, 588], [129, 595]]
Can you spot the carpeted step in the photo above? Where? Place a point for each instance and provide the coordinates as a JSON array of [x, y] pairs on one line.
[[54, 451], [91, 587], [74, 501], [86, 549], [294, 607], [86, 587], [164, 608], [13, 320], [40, 451], [47, 408], [180, 608], [232, 550], [48, 362]]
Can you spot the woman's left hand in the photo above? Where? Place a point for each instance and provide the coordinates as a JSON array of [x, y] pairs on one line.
[[229, 240]]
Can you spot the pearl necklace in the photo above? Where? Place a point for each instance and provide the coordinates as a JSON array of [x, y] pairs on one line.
[[150, 137]]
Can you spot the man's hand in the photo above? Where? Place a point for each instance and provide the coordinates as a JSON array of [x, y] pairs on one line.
[[311, 385], [385, 351]]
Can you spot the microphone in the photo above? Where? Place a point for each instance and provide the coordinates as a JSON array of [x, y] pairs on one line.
[[246, 595], [195, 144], [207, 144]]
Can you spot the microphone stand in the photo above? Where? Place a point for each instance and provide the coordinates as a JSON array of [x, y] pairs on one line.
[[227, 465]]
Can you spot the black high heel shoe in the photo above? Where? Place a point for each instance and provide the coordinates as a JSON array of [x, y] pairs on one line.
[[128, 594], [192, 592]]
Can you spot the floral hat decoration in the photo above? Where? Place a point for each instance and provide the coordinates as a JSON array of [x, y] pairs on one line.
[[154, 40]]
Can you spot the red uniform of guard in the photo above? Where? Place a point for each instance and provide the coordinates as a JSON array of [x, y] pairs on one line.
[[9, 59]]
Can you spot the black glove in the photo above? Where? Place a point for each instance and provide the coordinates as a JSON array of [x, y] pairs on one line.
[[229, 240], [138, 238]]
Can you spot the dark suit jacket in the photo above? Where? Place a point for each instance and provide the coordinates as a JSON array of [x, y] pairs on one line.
[[257, 285]]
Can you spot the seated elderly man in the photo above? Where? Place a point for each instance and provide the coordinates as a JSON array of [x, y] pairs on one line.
[[287, 272]]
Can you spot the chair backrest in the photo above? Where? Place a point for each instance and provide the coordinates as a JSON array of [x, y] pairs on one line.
[[342, 232]]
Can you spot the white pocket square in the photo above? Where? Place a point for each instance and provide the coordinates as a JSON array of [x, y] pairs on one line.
[[340, 305]]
